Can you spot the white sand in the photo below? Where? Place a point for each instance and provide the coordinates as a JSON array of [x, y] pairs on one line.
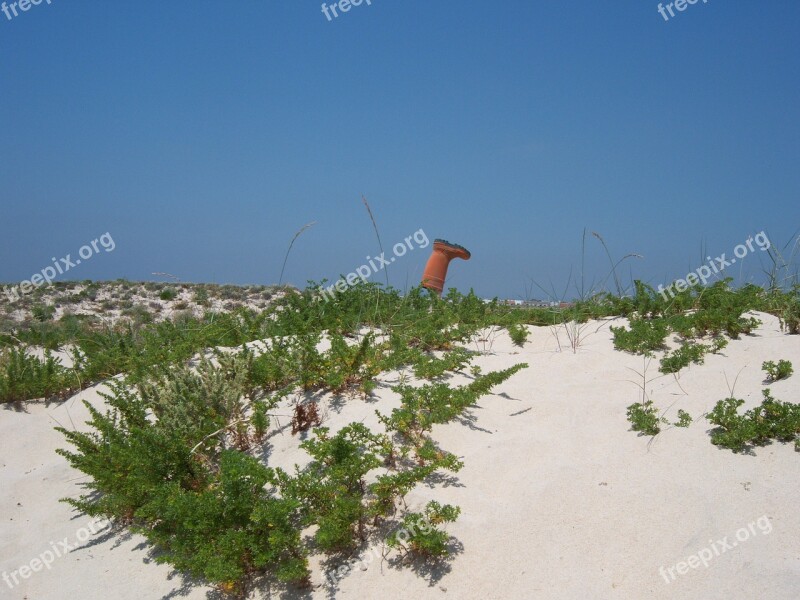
[[559, 499]]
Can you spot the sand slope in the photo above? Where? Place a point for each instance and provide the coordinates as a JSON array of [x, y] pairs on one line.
[[559, 499]]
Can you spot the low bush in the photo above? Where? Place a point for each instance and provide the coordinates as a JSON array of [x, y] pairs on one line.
[[26, 377], [518, 334], [172, 455], [422, 407], [644, 336], [684, 419], [43, 312], [773, 419], [419, 533], [775, 372], [697, 312], [181, 477], [690, 352], [643, 417]]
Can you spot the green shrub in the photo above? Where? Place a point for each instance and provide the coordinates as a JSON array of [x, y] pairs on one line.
[[228, 531], [428, 366], [201, 296], [775, 372], [422, 407], [169, 460], [790, 316], [773, 419], [347, 367], [644, 418], [25, 377], [684, 419], [643, 336], [518, 334], [170, 456], [43, 312], [683, 356], [272, 370], [421, 536], [138, 314], [331, 489], [720, 309], [690, 352], [168, 294], [694, 313]]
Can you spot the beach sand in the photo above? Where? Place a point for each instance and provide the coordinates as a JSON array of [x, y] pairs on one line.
[[559, 498]]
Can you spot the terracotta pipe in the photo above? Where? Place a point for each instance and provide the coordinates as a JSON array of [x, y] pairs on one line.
[[436, 269]]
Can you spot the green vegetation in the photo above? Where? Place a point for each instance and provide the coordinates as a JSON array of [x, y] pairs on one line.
[[415, 324], [773, 419], [644, 418], [168, 294], [23, 376], [201, 297], [698, 312], [644, 336], [684, 419], [177, 454], [775, 372], [423, 407], [690, 352], [518, 334], [174, 455], [418, 533], [43, 312], [790, 317]]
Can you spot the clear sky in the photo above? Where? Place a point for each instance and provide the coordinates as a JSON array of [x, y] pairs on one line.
[[202, 135]]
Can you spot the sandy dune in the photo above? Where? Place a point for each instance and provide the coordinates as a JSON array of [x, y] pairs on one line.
[[559, 499]]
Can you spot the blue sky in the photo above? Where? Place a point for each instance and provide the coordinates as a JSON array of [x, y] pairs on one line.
[[202, 135]]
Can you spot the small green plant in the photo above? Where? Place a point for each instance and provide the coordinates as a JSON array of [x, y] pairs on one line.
[[693, 313], [201, 297], [428, 366], [348, 367], [518, 334], [168, 294], [684, 419], [26, 377], [331, 490], [645, 336], [644, 418], [776, 372], [419, 533], [790, 316], [422, 407], [773, 419], [43, 312], [690, 352]]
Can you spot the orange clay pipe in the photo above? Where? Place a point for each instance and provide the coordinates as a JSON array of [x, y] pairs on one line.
[[436, 269]]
